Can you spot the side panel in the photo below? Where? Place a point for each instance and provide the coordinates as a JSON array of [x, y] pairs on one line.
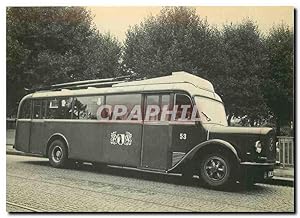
[[122, 143], [186, 132], [185, 136], [23, 125], [37, 139], [84, 137], [96, 141], [156, 132], [22, 135], [156, 143]]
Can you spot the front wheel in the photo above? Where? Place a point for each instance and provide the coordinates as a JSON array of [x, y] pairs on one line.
[[57, 154], [216, 170]]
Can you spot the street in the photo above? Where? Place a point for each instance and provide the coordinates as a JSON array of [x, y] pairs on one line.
[[32, 185]]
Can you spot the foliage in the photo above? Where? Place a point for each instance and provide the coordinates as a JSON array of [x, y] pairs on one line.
[[234, 60], [278, 89], [286, 131], [47, 45], [245, 63], [177, 39]]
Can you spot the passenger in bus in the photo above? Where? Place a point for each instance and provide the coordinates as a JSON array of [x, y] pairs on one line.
[[68, 108]]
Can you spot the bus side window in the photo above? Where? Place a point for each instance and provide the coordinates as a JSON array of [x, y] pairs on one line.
[[44, 109], [161, 101], [52, 106], [37, 109], [65, 108], [127, 100], [183, 101], [85, 108], [25, 110], [152, 101], [165, 102], [59, 108]]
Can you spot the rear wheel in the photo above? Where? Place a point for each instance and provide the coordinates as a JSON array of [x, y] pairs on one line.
[[57, 153], [216, 170]]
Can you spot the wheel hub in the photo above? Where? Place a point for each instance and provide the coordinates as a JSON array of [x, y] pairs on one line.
[[215, 168], [57, 154]]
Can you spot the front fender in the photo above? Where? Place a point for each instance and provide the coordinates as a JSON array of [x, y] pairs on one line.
[[190, 155]]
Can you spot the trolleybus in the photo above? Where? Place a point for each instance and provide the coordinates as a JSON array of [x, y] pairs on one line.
[[170, 124]]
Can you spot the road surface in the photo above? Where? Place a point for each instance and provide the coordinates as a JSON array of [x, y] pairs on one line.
[[32, 185]]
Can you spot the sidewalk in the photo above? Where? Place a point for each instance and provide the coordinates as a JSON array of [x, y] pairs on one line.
[[10, 136], [287, 172], [10, 150], [283, 176]]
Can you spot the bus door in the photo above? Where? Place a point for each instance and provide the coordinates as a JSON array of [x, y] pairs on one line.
[[156, 134], [185, 132], [23, 126], [122, 133], [38, 126]]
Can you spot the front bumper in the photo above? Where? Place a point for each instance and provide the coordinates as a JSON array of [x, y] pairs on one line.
[[258, 171], [257, 164]]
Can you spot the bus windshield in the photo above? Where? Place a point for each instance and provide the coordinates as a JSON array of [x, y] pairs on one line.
[[211, 111]]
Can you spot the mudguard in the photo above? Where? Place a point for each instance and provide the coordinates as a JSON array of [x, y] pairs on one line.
[[56, 135], [188, 156]]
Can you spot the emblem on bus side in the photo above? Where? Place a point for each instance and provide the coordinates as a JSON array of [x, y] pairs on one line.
[[121, 139]]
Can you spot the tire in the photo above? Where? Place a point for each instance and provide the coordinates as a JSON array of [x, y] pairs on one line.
[[216, 170], [58, 154]]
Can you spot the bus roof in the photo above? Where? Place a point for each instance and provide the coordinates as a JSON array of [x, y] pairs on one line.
[[184, 81], [176, 77]]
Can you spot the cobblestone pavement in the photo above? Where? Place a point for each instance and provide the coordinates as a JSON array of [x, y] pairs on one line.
[[33, 185]]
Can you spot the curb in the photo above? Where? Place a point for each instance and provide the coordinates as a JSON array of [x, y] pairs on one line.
[[22, 154], [281, 181]]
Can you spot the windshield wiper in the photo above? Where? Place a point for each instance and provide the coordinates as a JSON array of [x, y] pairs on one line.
[[207, 118]]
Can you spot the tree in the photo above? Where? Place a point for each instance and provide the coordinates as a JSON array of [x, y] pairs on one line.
[[278, 89], [245, 65], [177, 39], [234, 60], [47, 45]]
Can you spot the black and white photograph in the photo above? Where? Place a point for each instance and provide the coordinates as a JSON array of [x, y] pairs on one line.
[[127, 109]]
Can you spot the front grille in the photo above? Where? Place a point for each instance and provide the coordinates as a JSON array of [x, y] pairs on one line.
[[271, 144], [269, 147]]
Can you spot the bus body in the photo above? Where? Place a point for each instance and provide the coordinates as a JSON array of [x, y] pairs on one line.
[[64, 125]]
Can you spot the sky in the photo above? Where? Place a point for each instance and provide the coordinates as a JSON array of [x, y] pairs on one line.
[[117, 20]]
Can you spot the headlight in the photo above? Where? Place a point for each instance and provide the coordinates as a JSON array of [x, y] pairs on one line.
[[258, 147]]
